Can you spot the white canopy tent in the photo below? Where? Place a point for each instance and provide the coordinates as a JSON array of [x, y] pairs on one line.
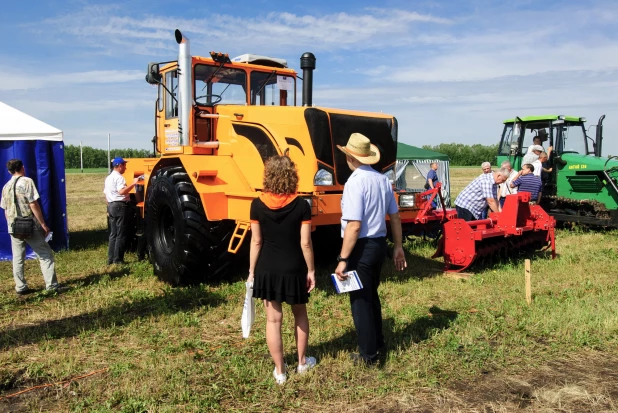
[[41, 148], [18, 126]]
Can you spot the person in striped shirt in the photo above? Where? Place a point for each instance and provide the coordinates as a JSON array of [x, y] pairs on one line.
[[480, 194], [527, 181]]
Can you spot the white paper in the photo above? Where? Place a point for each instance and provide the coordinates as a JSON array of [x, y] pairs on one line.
[[352, 283], [49, 236], [248, 311], [285, 83]]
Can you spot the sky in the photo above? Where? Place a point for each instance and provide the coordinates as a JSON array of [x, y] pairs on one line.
[[450, 71]]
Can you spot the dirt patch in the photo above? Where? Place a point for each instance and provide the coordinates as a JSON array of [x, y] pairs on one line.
[[584, 383]]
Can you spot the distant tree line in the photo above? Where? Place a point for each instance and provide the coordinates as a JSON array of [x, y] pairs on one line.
[[466, 155], [97, 158]]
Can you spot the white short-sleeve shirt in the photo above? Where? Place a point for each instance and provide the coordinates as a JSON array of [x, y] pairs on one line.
[[114, 183], [367, 197], [538, 167]]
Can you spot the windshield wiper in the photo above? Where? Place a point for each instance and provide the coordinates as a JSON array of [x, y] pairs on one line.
[[213, 75], [266, 81]]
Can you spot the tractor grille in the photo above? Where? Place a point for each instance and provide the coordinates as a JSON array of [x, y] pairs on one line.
[[381, 132]]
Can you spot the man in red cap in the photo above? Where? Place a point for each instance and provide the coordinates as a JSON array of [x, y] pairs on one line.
[[117, 196]]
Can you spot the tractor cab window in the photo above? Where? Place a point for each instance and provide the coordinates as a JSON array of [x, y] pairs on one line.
[[573, 138], [220, 86], [533, 130], [269, 88], [171, 104], [507, 140]]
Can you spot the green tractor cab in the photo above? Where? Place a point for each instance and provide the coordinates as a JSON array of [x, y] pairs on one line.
[[580, 185]]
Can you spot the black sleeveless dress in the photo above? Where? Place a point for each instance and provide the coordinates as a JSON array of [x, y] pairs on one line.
[[281, 272]]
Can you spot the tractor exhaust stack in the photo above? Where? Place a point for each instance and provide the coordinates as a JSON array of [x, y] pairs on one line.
[[307, 64], [599, 137], [185, 88]]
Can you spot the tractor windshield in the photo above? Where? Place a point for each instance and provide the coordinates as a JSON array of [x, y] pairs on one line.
[[507, 139], [214, 85], [272, 89]]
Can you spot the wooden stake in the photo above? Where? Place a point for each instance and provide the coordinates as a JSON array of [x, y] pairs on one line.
[[528, 284]]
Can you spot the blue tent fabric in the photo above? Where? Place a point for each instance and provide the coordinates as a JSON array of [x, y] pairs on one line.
[[44, 163]]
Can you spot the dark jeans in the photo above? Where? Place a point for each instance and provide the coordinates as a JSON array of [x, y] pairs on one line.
[[463, 213], [502, 200], [367, 258], [118, 231]]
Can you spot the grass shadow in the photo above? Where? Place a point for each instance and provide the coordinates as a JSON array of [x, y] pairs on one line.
[[172, 301], [96, 278], [88, 239], [396, 337], [418, 268]]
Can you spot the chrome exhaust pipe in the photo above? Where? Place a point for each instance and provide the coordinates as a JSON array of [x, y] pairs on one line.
[[185, 88]]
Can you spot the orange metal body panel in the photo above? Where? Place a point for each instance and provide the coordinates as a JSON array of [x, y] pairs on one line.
[[226, 167]]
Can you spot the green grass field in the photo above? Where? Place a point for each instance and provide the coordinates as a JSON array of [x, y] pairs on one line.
[[452, 345], [86, 171]]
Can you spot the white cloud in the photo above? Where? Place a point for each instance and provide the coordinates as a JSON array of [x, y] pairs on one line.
[[12, 79], [107, 28]]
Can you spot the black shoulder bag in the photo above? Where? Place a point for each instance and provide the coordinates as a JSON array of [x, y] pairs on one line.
[[22, 226]]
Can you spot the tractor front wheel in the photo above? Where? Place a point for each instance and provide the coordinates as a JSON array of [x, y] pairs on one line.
[[185, 248]]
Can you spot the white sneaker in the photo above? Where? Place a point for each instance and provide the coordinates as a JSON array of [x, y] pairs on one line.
[[280, 378], [309, 364]]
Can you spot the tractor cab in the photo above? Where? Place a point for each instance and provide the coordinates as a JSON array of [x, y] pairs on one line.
[[557, 134]]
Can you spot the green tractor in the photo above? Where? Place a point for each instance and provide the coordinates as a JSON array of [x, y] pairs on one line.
[[582, 185]]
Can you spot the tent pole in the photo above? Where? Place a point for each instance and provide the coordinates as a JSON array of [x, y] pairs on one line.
[[109, 161], [81, 157]]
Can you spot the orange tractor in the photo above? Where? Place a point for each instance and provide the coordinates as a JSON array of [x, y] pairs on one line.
[[217, 120]]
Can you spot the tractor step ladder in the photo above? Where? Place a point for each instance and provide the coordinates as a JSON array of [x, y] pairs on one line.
[[240, 232]]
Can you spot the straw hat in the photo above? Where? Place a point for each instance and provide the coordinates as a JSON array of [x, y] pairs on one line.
[[360, 148]]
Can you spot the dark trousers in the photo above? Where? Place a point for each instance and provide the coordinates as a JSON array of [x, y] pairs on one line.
[[367, 258], [465, 214], [118, 231]]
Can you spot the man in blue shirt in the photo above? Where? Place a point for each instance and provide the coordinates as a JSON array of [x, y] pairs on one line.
[[367, 198], [480, 194], [432, 179], [527, 181]]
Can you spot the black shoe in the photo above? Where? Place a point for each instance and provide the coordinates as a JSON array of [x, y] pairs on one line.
[[119, 263], [24, 292], [357, 359]]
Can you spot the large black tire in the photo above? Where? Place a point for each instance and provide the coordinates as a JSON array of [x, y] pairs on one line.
[[185, 248]]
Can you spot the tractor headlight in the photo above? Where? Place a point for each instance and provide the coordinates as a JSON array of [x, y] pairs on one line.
[[406, 200], [390, 174], [323, 178]]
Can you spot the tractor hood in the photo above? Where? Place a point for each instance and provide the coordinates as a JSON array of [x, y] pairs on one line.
[[330, 127]]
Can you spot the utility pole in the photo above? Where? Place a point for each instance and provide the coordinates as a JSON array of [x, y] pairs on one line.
[[109, 161], [81, 157]]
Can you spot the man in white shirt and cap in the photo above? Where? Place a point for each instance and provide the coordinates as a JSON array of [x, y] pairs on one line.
[[117, 196], [536, 142]]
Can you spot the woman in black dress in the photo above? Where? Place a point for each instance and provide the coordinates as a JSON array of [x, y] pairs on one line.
[[281, 259]]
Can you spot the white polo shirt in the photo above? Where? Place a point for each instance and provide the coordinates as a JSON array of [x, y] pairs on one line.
[[114, 183], [367, 197]]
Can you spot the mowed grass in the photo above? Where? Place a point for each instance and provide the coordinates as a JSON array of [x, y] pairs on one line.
[[180, 349]]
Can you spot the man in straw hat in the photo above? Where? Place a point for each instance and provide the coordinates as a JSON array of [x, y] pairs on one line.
[[367, 199]]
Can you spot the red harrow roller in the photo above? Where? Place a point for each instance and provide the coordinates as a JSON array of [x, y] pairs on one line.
[[517, 226]]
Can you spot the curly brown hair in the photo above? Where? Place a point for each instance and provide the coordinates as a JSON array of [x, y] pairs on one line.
[[280, 176]]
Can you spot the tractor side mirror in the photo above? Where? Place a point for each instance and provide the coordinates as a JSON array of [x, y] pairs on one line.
[[152, 75]]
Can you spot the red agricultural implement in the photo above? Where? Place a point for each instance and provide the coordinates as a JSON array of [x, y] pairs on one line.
[[519, 225]]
